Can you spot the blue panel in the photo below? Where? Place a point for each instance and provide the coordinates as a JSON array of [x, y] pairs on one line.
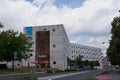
[[29, 30]]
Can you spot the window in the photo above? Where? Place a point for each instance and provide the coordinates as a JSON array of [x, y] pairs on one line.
[[44, 29], [31, 54], [53, 29], [54, 45]]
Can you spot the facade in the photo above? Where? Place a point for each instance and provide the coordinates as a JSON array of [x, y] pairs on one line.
[[52, 48], [89, 53]]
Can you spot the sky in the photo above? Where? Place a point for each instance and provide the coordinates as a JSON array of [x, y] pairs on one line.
[[87, 22]]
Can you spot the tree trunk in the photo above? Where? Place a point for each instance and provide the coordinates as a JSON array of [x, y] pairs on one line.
[[13, 65]]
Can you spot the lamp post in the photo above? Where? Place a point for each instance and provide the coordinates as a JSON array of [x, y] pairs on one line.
[[106, 60], [15, 58]]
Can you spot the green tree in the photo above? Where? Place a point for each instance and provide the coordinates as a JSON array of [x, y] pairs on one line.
[[113, 51], [86, 63], [78, 60], [1, 26], [91, 64], [10, 42]]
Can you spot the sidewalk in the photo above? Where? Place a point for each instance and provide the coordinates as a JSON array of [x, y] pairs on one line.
[[114, 76], [110, 76]]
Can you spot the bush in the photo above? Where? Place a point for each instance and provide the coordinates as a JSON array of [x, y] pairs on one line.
[[70, 69], [105, 72], [28, 78], [49, 71], [91, 79], [40, 70], [58, 71], [3, 66]]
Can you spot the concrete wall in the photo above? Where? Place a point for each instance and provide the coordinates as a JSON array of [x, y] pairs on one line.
[[59, 45]]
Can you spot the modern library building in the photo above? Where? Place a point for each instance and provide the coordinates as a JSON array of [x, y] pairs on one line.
[[52, 48]]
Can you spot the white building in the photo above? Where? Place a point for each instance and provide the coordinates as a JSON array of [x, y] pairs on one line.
[[51, 45], [52, 48], [89, 53]]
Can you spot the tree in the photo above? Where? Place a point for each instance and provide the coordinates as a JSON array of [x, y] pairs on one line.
[[113, 51], [78, 61], [91, 64], [1, 26], [86, 63], [11, 42]]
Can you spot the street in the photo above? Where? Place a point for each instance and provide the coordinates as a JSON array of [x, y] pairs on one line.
[[81, 76]]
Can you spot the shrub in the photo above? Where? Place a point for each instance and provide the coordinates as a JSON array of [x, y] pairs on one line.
[[29, 78], [58, 71], [91, 79], [49, 71], [3, 66], [70, 69], [105, 72]]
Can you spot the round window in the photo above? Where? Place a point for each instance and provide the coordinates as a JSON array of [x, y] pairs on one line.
[[54, 45], [53, 30]]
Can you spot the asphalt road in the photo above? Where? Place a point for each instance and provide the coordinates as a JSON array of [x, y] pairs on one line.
[[81, 76]]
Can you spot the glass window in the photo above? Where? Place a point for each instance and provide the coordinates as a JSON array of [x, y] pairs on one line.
[[53, 29]]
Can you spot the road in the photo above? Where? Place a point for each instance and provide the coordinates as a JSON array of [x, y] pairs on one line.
[[80, 76]]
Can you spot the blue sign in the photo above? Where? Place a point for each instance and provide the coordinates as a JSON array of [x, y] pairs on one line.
[[15, 55], [29, 30]]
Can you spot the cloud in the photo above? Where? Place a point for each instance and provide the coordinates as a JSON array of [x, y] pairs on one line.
[[93, 18], [99, 41]]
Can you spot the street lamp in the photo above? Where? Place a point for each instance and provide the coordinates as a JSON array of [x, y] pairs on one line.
[[15, 58], [118, 10], [107, 59], [106, 42]]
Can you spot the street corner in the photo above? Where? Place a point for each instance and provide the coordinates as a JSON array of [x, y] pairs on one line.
[[103, 78]]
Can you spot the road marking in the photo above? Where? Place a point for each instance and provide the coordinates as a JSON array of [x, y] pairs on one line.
[[60, 76]]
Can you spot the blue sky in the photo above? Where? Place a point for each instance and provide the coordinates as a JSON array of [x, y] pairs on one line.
[[70, 3]]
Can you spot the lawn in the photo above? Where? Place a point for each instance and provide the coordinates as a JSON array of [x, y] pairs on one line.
[[9, 71], [91, 79]]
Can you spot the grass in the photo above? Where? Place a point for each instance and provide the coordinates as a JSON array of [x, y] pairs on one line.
[[18, 70], [91, 79], [29, 78], [27, 70]]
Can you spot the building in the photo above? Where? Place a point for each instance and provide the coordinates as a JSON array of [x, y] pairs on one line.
[[52, 48], [89, 53]]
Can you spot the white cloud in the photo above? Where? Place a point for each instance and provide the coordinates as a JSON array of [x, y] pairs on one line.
[[100, 42], [76, 40], [93, 18]]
